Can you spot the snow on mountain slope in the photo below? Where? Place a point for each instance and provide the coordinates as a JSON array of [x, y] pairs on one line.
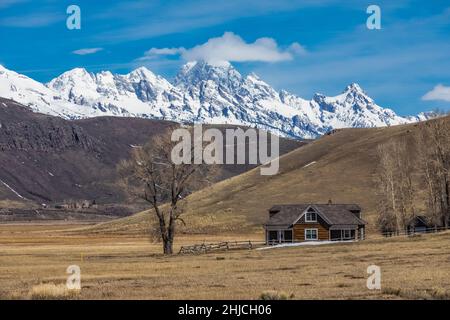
[[223, 95], [139, 93], [37, 96], [201, 92]]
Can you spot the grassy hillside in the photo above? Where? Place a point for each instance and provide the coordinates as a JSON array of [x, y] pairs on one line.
[[339, 167]]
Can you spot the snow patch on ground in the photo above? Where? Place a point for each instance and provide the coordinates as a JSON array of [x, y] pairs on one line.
[[15, 192], [301, 244], [309, 164]]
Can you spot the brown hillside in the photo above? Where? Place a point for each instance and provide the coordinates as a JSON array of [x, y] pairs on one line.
[[341, 167]]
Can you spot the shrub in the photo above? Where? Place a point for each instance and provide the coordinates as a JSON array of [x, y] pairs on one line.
[[51, 291], [439, 294], [392, 291], [275, 295], [427, 294]]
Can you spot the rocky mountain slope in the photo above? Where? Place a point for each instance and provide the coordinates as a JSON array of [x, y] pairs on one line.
[[201, 92], [48, 159]]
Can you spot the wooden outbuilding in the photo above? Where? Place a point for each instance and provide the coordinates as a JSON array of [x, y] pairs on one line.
[[419, 224]]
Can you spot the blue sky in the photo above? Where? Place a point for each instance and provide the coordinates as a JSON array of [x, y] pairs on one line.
[[302, 46]]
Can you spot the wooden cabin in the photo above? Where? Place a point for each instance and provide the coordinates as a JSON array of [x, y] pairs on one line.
[[314, 222], [418, 224]]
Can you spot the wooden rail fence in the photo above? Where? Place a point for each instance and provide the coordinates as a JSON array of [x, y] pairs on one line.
[[219, 246]]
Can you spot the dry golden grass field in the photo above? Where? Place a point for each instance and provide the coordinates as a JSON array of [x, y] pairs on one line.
[[34, 258]]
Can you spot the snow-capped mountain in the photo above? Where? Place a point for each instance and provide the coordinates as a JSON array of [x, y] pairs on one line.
[[201, 92], [36, 95]]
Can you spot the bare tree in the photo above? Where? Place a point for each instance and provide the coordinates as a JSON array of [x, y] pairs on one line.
[[387, 206], [434, 146], [153, 177], [395, 186], [407, 187]]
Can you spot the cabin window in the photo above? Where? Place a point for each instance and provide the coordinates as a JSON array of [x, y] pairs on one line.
[[273, 236], [288, 235], [310, 234], [311, 217], [347, 234]]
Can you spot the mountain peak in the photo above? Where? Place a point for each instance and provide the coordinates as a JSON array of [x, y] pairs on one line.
[[195, 72], [214, 64], [318, 97], [207, 66], [354, 87], [141, 70], [142, 73], [77, 71], [78, 75], [71, 78], [188, 66]]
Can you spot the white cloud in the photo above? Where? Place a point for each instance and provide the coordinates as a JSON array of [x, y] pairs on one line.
[[164, 51], [297, 49], [82, 52], [230, 47], [439, 92]]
